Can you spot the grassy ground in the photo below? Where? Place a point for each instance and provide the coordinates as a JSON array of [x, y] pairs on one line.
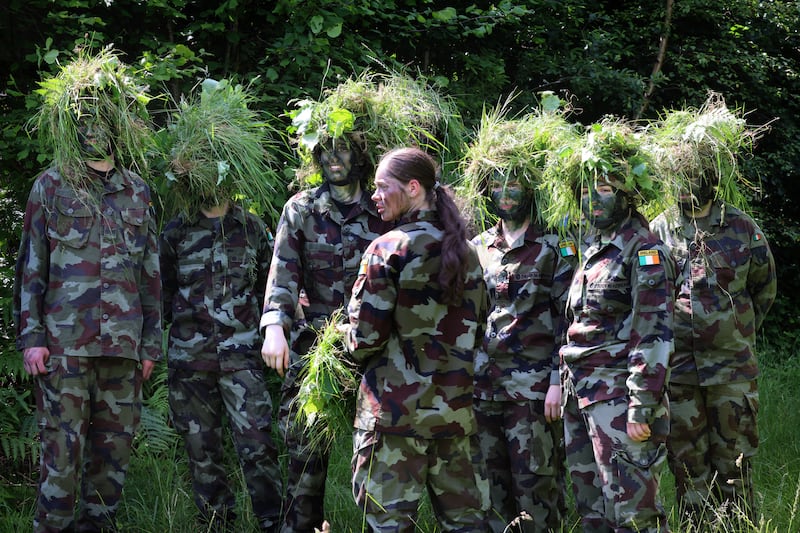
[[158, 493]]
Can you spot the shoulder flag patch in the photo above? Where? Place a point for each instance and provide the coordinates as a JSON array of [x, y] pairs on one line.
[[649, 257], [758, 237], [567, 248]]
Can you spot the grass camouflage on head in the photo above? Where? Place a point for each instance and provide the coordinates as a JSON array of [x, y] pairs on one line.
[[103, 89], [611, 150], [519, 147], [376, 113], [706, 143], [217, 150]]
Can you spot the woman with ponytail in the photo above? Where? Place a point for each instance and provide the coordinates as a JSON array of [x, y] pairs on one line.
[[417, 318]]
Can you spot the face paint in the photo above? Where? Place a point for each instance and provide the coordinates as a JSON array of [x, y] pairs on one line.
[[509, 200], [603, 206], [701, 191], [337, 163], [94, 139]]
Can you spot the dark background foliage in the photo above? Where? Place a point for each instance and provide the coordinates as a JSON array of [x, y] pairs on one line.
[[635, 59]]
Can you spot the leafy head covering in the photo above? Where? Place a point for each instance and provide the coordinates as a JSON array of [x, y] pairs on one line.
[[611, 150], [375, 113], [103, 89], [216, 148], [518, 148], [703, 143]]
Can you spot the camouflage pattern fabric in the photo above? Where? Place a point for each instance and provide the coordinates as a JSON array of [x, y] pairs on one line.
[[318, 250], [418, 358], [109, 390], [727, 283], [214, 272], [87, 279], [527, 285], [712, 442], [615, 480], [524, 465], [726, 286], [88, 289], [391, 472], [199, 402], [617, 365]]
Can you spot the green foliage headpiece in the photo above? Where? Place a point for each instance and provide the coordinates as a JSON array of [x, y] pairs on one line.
[[103, 88], [610, 150], [521, 147], [706, 142], [378, 113], [217, 151]]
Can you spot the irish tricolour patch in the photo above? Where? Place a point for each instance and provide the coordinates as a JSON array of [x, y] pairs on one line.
[[649, 257]]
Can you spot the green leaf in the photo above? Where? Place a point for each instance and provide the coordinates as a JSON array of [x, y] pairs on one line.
[[340, 121], [445, 15], [316, 24], [334, 31]]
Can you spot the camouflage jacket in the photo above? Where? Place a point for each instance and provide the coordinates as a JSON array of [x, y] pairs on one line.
[[726, 285], [527, 285], [214, 271], [620, 308], [87, 280], [418, 354], [317, 252]]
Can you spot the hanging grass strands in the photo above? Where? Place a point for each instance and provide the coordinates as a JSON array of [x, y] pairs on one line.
[[325, 402], [610, 150], [103, 89], [217, 150], [708, 142], [379, 112], [518, 147]]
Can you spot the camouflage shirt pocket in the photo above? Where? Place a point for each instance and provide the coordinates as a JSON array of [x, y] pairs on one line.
[[730, 268], [71, 223], [135, 228]]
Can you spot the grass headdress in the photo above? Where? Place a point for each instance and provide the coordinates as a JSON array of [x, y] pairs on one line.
[[708, 142], [377, 112], [101, 88], [519, 147], [610, 150], [217, 150]]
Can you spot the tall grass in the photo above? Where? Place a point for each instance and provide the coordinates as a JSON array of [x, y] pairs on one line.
[[158, 495]]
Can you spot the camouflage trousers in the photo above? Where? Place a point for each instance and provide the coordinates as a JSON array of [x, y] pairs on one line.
[[712, 441], [88, 409], [391, 472], [307, 468], [615, 479], [525, 464], [199, 402]]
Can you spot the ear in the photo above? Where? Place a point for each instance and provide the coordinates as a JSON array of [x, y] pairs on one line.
[[414, 188]]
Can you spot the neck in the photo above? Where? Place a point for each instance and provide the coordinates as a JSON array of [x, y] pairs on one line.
[[512, 229], [103, 165], [215, 211], [346, 194], [699, 212]]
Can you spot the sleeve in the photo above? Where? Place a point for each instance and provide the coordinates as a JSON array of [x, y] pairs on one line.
[[263, 259], [651, 338], [285, 271], [762, 284], [32, 273], [169, 273], [150, 295], [558, 302], [371, 307]]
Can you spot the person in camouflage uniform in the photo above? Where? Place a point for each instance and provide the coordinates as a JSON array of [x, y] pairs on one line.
[[215, 258], [417, 317], [727, 283], [319, 240], [87, 298], [617, 352], [527, 271]]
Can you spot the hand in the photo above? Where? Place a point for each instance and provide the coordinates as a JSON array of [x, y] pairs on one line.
[[275, 350], [552, 403], [638, 432], [35, 360], [147, 368]]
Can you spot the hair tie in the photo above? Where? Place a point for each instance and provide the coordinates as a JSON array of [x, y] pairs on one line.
[[436, 185]]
